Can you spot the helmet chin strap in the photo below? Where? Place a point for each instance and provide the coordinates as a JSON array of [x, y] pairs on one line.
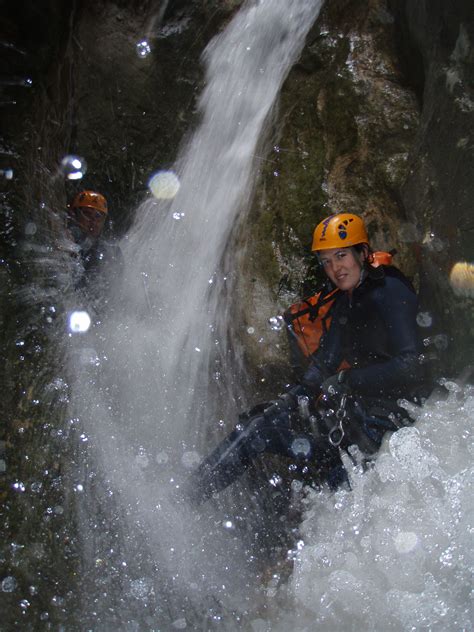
[[363, 266]]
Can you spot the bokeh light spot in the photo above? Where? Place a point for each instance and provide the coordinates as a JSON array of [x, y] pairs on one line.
[[73, 167], [143, 48], [462, 279], [164, 185], [79, 322]]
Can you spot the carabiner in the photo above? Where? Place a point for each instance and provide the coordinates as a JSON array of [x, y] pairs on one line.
[[337, 429], [336, 435]]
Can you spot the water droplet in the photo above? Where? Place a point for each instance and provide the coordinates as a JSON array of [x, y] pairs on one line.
[[296, 486], [8, 584], [251, 330], [164, 185], [141, 588], [433, 243], [30, 228], [161, 458], [177, 215], [301, 446], [79, 321], [461, 279], [275, 480], [7, 173], [142, 460], [143, 48], [179, 624], [190, 459], [405, 541], [276, 323], [424, 319], [57, 600], [73, 167], [440, 341]]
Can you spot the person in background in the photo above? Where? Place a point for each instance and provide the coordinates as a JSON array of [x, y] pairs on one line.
[[101, 259], [365, 362]]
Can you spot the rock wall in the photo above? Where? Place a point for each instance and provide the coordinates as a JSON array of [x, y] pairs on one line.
[[438, 191], [376, 118], [362, 125]]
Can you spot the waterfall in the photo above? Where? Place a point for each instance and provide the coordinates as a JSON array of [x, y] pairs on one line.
[[175, 249], [141, 391]]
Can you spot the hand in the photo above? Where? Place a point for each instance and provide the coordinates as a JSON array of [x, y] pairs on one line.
[[288, 400], [335, 386]]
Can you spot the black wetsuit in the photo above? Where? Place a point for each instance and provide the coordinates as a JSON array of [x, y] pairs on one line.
[[375, 331], [100, 261]]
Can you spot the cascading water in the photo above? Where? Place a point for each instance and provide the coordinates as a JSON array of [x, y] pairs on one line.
[[141, 389]]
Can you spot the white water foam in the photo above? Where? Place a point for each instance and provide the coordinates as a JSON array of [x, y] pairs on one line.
[[395, 553]]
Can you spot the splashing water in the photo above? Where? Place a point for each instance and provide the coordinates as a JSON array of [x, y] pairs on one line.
[[397, 548]]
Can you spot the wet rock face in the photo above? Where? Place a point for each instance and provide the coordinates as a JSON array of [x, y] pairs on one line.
[[439, 188], [344, 132], [376, 118]]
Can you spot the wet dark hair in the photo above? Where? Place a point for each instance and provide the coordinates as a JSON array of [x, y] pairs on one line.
[[359, 248]]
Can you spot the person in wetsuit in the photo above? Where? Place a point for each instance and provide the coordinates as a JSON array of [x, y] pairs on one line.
[[98, 258], [373, 331]]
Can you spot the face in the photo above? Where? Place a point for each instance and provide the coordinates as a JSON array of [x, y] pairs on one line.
[[343, 267], [90, 220]]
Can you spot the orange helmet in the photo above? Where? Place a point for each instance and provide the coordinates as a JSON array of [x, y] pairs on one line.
[[339, 231], [90, 199]]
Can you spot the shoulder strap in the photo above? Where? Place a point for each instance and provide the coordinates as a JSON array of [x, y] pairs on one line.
[[311, 308]]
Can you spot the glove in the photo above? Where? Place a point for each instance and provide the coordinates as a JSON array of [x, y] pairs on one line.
[[335, 386], [291, 396], [287, 401]]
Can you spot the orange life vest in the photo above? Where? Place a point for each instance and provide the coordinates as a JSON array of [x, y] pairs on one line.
[[310, 318]]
